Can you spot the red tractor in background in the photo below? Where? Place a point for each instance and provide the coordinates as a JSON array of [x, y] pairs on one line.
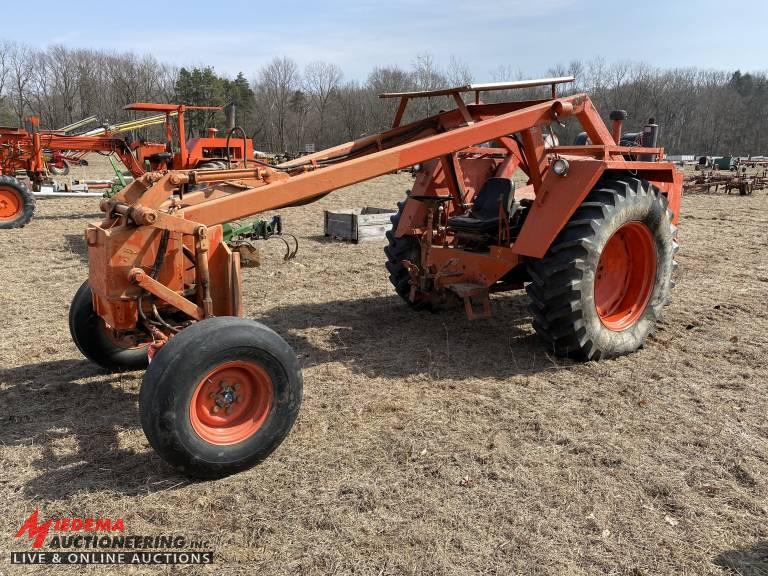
[[34, 154], [591, 235]]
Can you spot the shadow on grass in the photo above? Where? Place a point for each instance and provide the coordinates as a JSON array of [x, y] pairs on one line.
[[76, 245], [750, 561], [74, 412], [385, 337]]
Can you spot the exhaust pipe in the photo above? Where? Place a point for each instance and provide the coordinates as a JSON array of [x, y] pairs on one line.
[[229, 113], [650, 137]]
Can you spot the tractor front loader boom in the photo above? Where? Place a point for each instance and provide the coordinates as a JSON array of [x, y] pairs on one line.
[[591, 234]]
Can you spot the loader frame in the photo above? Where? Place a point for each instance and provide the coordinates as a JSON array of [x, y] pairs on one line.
[[160, 243]]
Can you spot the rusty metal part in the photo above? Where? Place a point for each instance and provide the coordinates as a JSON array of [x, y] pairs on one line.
[[203, 274]]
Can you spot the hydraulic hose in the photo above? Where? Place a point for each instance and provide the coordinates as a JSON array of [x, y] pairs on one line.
[[245, 145]]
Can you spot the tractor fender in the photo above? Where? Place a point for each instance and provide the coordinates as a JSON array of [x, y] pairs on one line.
[[556, 201]]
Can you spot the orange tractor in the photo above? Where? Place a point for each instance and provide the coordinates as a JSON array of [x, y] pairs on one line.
[[202, 153], [591, 236], [38, 153]]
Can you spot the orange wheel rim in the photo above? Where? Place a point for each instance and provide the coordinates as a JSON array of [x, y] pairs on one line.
[[10, 203], [625, 276], [231, 403]]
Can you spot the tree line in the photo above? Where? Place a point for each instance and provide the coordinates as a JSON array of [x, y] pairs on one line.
[[284, 107]]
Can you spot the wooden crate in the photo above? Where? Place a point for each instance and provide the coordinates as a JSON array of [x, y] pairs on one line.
[[358, 224]]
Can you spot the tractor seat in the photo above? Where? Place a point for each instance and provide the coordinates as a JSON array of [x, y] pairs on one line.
[[160, 157], [484, 214]]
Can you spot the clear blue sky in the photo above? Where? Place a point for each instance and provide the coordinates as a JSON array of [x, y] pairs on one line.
[[525, 35]]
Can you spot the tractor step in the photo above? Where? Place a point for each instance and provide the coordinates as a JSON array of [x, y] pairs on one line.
[[471, 293]]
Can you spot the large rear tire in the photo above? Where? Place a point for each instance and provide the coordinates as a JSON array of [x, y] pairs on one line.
[[220, 396], [212, 165], [17, 203], [97, 342], [398, 250], [409, 248], [601, 287]]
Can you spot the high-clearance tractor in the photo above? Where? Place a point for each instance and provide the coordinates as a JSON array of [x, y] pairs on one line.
[[38, 153], [591, 235]]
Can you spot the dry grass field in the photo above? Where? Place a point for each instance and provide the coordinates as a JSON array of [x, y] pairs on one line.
[[426, 445]]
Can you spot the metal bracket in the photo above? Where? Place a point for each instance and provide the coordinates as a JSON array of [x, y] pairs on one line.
[[467, 291], [165, 294]]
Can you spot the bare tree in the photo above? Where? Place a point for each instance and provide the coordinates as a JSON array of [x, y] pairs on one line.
[[63, 69], [322, 82], [352, 110], [427, 76], [382, 80], [458, 73], [4, 67], [299, 107], [278, 81], [21, 63]]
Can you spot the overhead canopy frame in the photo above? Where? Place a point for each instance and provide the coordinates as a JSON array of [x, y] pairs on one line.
[[477, 89]]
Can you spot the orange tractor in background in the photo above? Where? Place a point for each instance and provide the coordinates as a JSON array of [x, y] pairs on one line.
[[591, 236], [36, 154], [203, 152]]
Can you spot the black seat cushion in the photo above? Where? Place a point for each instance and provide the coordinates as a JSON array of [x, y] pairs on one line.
[[470, 224], [160, 156], [484, 215]]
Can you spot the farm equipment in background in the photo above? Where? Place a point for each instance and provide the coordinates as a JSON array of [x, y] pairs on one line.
[[38, 154], [732, 163], [60, 162], [725, 163], [741, 181], [592, 236], [33, 152], [203, 152], [244, 238]]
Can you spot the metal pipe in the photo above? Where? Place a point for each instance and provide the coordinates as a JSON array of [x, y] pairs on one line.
[[68, 194], [78, 124], [618, 117], [229, 113], [650, 136]]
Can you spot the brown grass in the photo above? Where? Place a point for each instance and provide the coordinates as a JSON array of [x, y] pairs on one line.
[[426, 445]]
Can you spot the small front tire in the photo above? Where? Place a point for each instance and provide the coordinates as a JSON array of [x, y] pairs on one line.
[[220, 396], [62, 170]]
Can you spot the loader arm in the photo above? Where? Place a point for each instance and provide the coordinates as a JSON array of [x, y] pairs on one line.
[[163, 200]]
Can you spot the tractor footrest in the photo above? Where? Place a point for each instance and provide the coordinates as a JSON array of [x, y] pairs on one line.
[[473, 294]]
